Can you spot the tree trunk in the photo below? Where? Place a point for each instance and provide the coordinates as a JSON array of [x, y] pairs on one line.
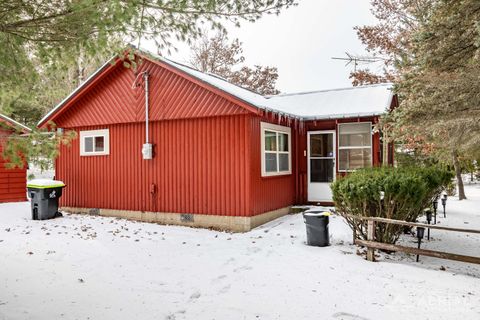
[[458, 173], [80, 69]]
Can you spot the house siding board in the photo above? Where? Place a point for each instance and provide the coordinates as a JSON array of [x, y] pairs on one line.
[[12, 181], [113, 101], [197, 168]]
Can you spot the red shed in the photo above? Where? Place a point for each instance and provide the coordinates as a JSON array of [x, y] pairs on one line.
[[12, 180], [169, 144]]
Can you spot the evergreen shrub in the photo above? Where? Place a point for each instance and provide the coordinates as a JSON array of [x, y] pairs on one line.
[[387, 192]]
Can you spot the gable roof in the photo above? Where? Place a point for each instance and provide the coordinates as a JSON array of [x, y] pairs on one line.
[[372, 100], [75, 92], [14, 124]]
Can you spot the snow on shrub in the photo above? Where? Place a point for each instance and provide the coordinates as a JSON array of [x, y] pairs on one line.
[[387, 192]]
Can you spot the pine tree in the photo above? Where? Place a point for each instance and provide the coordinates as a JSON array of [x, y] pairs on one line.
[[47, 48], [39, 36], [430, 48]]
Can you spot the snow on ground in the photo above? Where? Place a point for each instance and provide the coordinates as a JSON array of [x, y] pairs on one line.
[[88, 267]]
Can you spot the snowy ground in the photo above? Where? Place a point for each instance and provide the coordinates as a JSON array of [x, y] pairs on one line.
[[86, 267]]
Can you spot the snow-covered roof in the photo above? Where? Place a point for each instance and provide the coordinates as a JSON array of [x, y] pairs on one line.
[[361, 101], [371, 100], [14, 123], [218, 82]]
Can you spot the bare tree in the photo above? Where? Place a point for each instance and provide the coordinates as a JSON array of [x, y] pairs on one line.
[[219, 56]]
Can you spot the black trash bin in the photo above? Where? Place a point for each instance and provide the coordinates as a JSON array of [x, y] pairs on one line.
[[317, 228], [44, 195]]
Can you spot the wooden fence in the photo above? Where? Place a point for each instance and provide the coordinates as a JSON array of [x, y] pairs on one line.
[[371, 244]]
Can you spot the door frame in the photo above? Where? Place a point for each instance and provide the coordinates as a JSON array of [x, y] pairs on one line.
[[309, 133]]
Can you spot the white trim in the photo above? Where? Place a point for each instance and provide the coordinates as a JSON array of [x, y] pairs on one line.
[[355, 148], [334, 158], [265, 126], [92, 134]]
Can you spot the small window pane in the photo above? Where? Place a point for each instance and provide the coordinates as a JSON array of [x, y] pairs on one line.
[[355, 135], [270, 141], [99, 143], [321, 170], [321, 145], [353, 128], [89, 144], [283, 164], [355, 140], [282, 142], [352, 159], [270, 162]]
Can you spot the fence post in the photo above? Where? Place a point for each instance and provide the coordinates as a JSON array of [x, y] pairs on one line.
[[370, 237], [354, 230]]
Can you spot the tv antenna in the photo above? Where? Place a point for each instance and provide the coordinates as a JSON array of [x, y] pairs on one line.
[[357, 60]]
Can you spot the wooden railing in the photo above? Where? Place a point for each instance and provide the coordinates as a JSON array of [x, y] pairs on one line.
[[371, 244]]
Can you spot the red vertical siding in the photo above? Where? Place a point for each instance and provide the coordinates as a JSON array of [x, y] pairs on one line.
[[274, 192], [112, 100], [207, 148], [12, 181], [199, 167]]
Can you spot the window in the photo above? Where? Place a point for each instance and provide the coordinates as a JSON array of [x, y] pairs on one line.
[[276, 149], [354, 146], [94, 143]]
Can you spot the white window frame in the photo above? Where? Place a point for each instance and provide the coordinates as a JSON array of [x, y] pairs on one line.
[[93, 134], [354, 148], [265, 126]]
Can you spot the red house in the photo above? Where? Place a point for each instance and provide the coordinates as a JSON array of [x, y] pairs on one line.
[[169, 144], [12, 180]]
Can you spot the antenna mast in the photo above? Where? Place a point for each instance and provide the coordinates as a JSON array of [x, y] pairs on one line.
[[356, 60]]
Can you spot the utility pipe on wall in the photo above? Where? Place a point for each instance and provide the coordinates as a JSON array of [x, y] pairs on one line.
[[147, 148], [145, 79]]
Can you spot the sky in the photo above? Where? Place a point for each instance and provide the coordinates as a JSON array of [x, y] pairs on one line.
[[301, 42]]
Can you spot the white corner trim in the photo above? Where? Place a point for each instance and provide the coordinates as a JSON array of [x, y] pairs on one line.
[[95, 133], [277, 128]]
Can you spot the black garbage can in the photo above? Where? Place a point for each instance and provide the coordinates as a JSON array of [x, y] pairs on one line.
[[317, 228], [44, 195]]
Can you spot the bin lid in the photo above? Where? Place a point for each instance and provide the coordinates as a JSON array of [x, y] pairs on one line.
[[45, 183], [317, 213]]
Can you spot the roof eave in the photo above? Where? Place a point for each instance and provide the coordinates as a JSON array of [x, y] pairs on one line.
[[343, 116], [15, 123]]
